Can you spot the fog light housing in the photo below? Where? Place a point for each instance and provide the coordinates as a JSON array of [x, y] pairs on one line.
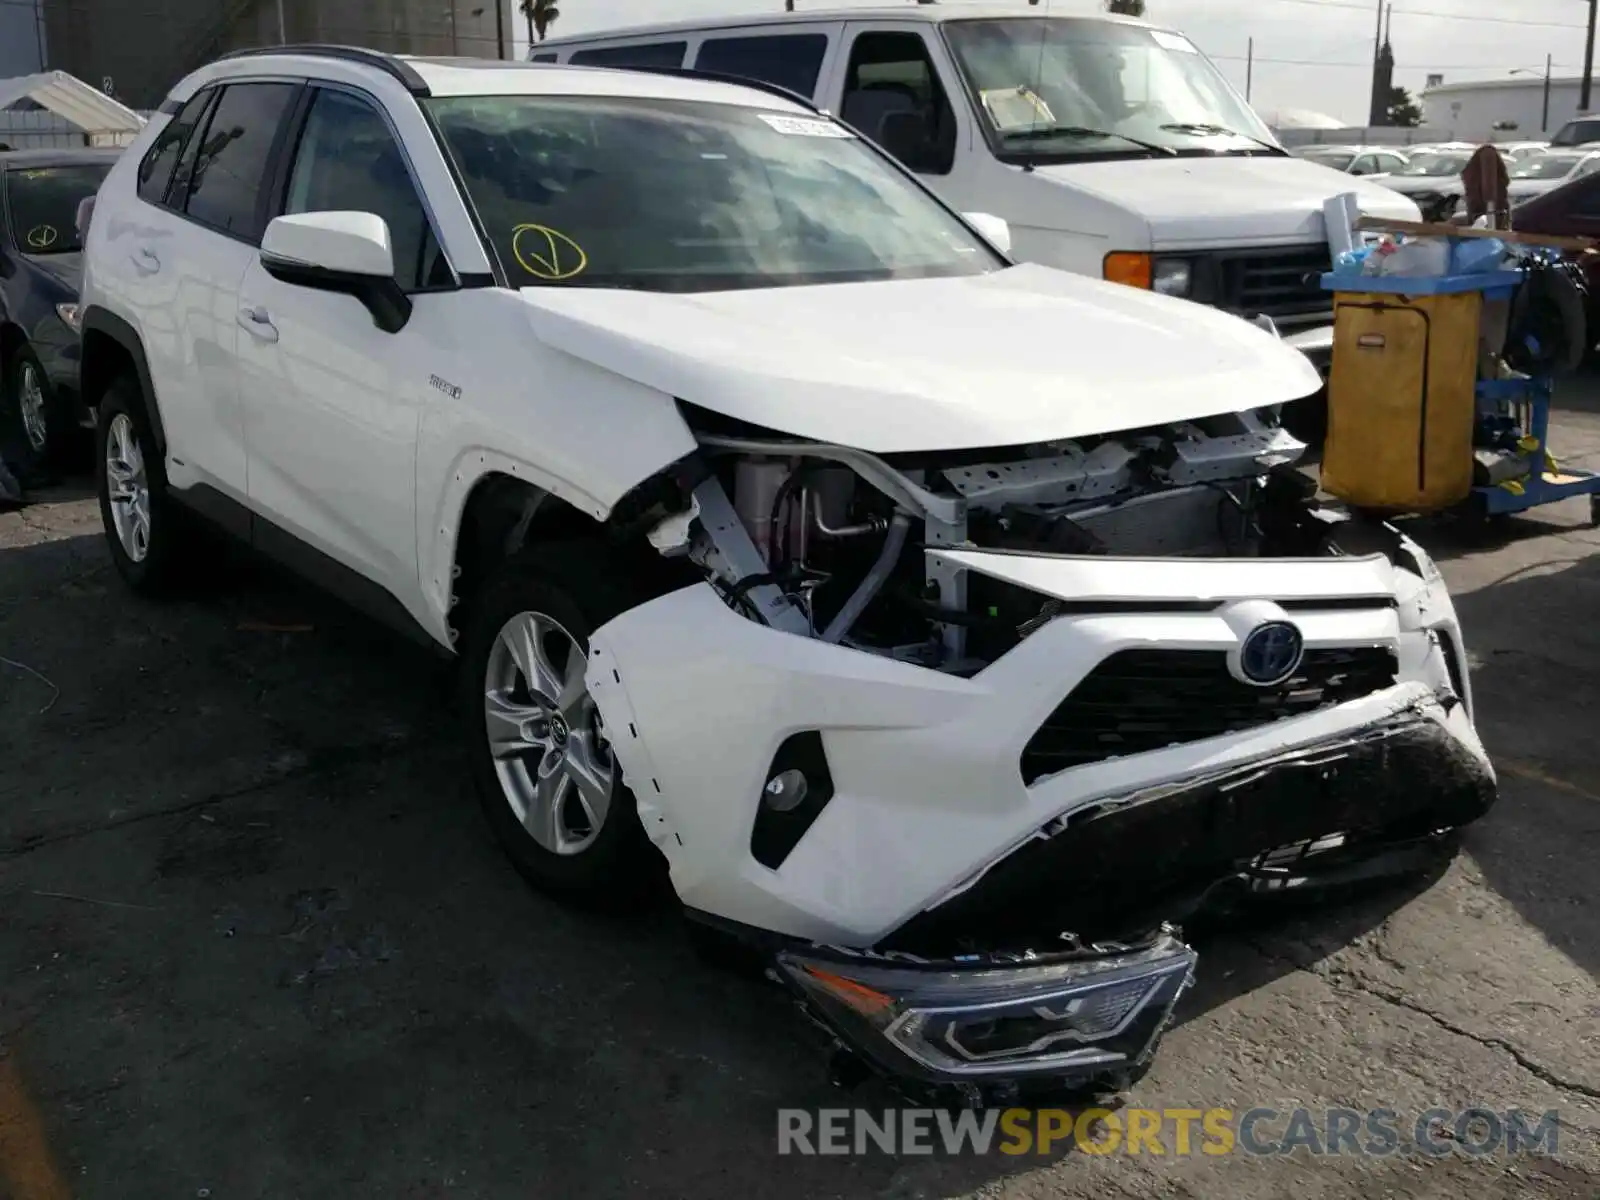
[[785, 791]]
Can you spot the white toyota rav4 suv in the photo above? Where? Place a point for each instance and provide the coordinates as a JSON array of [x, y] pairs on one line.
[[949, 629]]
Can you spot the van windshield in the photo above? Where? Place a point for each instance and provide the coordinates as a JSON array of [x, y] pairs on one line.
[[674, 196], [1066, 88]]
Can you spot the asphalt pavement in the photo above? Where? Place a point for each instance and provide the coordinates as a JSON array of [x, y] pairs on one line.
[[256, 941]]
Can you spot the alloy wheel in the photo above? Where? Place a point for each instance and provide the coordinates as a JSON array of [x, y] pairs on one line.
[[30, 404], [550, 753], [129, 488]]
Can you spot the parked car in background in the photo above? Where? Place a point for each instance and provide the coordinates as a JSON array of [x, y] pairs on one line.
[[1355, 160], [1581, 131], [1541, 173], [40, 273], [1514, 152], [1433, 180]]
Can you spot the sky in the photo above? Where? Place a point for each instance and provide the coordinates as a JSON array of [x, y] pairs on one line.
[[1313, 54]]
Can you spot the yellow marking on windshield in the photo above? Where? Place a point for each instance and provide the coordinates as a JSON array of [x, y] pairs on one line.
[[547, 253], [41, 237]]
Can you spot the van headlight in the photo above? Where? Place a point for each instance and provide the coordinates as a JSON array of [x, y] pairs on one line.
[[1169, 276], [1172, 277]]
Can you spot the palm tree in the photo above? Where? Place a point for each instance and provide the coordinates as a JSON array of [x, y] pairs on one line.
[[541, 15], [1126, 8]]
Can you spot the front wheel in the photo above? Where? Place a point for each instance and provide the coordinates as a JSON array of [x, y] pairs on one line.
[[148, 535], [541, 757]]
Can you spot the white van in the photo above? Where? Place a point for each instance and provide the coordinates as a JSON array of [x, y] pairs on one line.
[[1113, 147]]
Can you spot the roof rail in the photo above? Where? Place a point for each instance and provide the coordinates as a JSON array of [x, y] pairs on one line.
[[387, 63], [759, 85]]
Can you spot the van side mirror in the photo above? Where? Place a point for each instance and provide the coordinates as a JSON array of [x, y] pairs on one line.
[[995, 230], [346, 252]]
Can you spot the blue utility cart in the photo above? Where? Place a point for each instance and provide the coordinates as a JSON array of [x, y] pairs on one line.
[[1412, 427]]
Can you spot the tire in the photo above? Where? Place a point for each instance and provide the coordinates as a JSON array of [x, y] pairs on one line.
[[559, 593], [156, 561], [36, 435]]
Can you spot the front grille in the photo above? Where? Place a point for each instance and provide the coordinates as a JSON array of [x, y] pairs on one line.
[[1286, 285], [1142, 700]]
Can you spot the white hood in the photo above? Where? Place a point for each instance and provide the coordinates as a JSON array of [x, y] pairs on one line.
[[1023, 355], [1220, 201]]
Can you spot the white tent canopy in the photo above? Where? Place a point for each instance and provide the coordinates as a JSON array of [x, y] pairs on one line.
[[71, 98], [1301, 118]]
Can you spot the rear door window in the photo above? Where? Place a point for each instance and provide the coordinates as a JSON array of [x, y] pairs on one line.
[[790, 60], [645, 54], [228, 181]]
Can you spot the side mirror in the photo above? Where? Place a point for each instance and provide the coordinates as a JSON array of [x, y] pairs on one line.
[[345, 252], [995, 230]]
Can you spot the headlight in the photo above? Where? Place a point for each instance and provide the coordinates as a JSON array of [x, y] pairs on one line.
[[1172, 277], [71, 316], [1169, 276], [950, 1022]]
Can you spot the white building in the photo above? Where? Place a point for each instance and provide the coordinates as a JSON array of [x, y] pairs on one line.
[[1471, 109]]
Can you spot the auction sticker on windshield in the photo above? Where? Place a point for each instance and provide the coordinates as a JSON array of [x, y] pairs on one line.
[[806, 127]]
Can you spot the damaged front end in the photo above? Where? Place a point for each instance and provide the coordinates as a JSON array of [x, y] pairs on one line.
[[972, 734]]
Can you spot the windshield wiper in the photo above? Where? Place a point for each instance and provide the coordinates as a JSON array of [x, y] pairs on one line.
[[1081, 131], [1204, 129]]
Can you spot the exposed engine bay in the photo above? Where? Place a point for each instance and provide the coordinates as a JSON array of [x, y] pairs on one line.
[[829, 541]]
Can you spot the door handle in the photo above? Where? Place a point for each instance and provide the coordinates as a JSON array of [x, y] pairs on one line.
[[146, 261], [258, 323]]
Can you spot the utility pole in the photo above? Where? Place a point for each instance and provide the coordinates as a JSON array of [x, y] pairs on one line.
[[1588, 59], [283, 37], [1249, 69], [1373, 108], [1549, 65]]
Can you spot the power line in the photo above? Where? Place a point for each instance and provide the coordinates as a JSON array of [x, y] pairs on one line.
[[1433, 14]]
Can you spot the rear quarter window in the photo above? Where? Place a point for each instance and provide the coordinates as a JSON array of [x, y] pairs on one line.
[[643, 54], [792, 61]]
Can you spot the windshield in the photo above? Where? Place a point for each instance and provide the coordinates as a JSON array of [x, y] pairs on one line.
[[1577, 133], [1339, 160], [1547, 166], [44, 205], [1435, 164], [675, 196], [1143, 90]]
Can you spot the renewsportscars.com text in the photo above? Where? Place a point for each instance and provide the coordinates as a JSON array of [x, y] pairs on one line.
[[1169, 1132]]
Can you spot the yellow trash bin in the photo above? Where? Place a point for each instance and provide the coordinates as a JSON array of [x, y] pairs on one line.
[[1401, 397]]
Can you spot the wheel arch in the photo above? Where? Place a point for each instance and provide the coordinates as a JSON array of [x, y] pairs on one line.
[[12, 339], [112, 347], [499, 512], [502, 512]]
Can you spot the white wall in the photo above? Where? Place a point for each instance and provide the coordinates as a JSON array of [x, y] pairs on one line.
[[1472, 112]]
